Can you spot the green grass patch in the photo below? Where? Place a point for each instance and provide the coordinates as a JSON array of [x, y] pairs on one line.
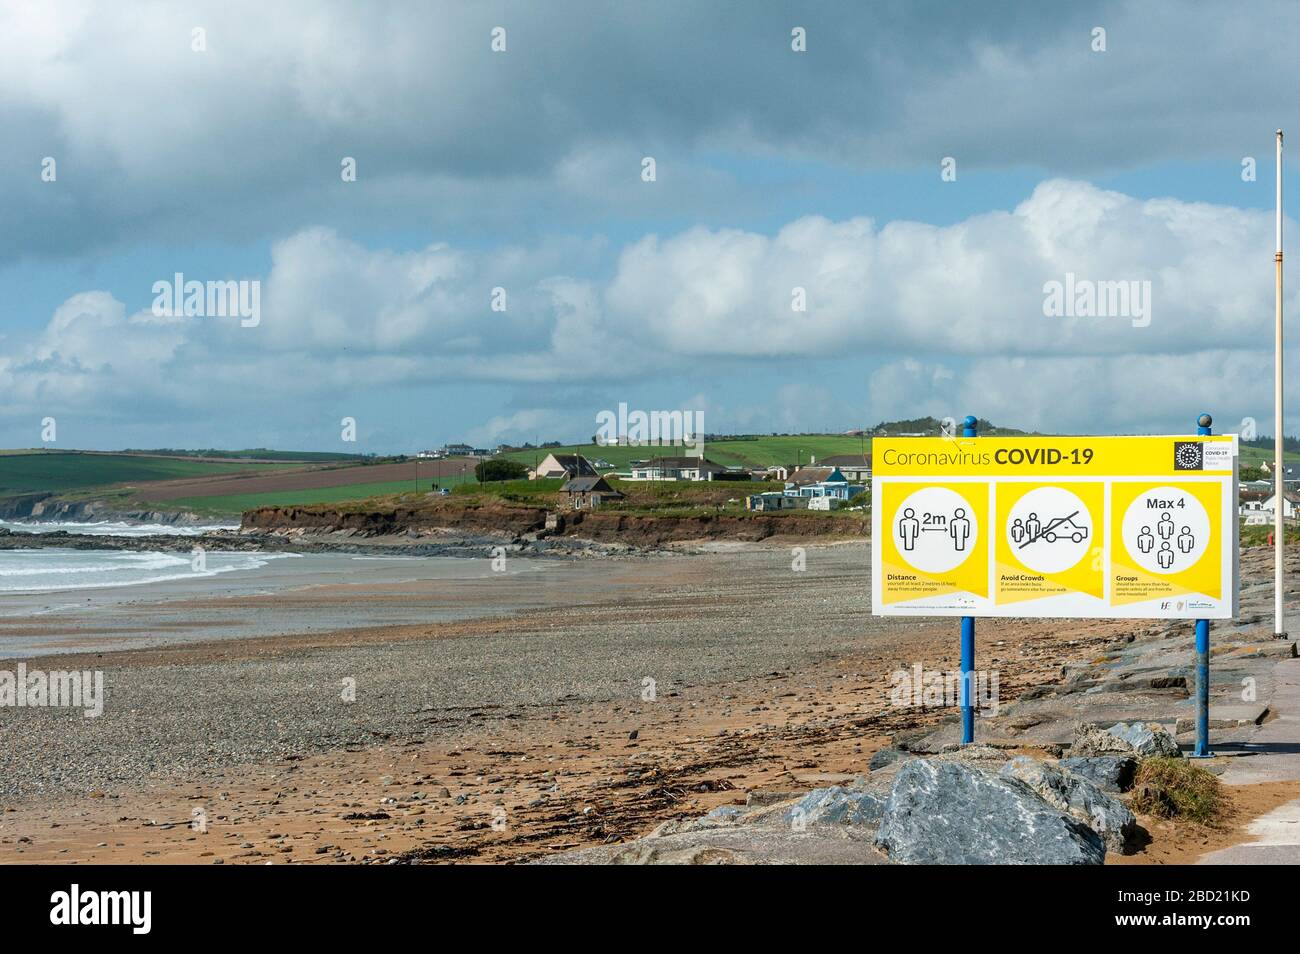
[[59, 472], [1176, 788], [1257, 535], [526, 490], [238, 503], [1254, 456]]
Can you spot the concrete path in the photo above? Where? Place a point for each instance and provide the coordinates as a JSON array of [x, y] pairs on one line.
[[1271, 754]]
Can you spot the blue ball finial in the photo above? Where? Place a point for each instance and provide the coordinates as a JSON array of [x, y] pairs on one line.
[[1204, 420]]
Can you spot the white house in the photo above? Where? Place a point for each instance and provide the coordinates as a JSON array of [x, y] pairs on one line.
[[566, 466], [1290, 505], [676, 468]]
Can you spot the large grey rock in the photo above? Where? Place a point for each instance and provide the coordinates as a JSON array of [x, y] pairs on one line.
[[1124, 738], [1110, 773], [835, 806], [950, 812], [1077, 796]]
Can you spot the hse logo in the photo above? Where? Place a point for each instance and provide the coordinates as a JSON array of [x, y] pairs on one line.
[[73, 907]]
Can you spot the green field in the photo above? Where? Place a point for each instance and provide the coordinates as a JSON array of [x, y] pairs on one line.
[[1254, 456], [257, 454], [60, 472], [238, 503]]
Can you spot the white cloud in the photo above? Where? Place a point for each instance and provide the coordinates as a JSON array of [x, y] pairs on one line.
[[975, 287], [245, 139], [951, 318]]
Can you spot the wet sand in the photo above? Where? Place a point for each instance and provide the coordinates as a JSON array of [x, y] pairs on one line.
[[290, 594]]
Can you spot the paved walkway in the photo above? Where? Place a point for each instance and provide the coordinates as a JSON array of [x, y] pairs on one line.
[[1272, 754]]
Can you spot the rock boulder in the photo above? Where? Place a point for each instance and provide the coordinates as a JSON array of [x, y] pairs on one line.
[[951, 812]]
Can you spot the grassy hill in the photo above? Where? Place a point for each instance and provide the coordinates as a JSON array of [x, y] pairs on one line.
[[759, 452], [60, 472], [755, 451]]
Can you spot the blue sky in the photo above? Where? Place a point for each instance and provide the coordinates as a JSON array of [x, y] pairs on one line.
[[521, 169]]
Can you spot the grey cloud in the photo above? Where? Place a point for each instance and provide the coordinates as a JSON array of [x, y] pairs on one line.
[[244, 141]]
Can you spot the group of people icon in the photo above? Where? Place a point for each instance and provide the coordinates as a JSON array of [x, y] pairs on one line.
[[958, 528], [1185, 541], [1027, 529]]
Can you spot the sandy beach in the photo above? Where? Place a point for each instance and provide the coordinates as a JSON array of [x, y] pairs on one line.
[[514, 721]]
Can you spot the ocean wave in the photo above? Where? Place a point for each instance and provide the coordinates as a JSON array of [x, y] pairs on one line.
[[41, 571]]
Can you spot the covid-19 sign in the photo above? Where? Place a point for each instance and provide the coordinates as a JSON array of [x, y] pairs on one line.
[[1055, 526]]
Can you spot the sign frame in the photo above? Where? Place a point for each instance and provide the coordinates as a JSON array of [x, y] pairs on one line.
[[980, 479]]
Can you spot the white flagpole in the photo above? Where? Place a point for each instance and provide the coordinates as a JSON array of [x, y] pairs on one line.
[[1279, 483]]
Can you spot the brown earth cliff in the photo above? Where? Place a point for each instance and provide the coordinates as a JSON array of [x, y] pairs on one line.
[[608, 526]]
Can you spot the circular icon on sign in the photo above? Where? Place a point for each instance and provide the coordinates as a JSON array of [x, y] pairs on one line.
[[1166, 530], [1049, 529], [934, 530]]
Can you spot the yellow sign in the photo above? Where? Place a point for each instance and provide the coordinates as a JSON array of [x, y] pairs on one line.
[[1055, 526]]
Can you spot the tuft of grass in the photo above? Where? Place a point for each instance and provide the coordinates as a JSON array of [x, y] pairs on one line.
[[1176, 788]]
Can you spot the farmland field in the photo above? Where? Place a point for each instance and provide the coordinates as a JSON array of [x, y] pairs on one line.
[[302, 486], [35, 472]]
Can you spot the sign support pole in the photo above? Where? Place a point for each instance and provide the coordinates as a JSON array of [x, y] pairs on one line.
[[968, 642], [1203, 656], [1279, 475]]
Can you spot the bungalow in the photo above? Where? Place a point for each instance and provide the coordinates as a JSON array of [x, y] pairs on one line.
[[676, 468], [839, 489], [1251, 500], [1290, 505], [833, 484], [565, 466], [587, 493], [457, 450], [852, 466], [808, 475]]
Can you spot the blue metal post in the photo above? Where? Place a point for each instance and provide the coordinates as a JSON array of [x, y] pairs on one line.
[[968, 645], [1203, 656]]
